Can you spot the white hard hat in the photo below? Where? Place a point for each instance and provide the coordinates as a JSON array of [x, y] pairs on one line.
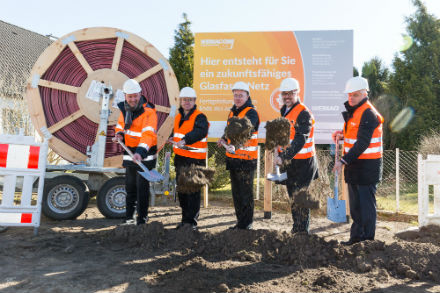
[[239, 85], [356, 83], [187, 92], [289, 84], [131, 86]]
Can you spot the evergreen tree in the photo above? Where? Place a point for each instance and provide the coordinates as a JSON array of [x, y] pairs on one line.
[[355, 71], [415, 82], [377, 76], [182, 54]]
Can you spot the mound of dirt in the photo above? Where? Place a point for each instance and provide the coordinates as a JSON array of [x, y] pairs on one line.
[[277, 133], [426, 234], [415, 261], [193, 177], [238, 131]]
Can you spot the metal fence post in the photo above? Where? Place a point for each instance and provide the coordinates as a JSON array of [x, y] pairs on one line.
[[258, 174], [397, 180]]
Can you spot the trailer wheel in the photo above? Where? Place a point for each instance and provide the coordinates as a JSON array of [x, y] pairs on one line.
[[64, 198], [111, 198]]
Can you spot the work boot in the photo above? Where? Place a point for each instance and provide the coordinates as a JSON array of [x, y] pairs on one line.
[[350, 242], [128, 222], [142, 221]]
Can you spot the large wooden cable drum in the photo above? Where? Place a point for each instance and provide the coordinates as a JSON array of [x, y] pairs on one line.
[[56, 91]]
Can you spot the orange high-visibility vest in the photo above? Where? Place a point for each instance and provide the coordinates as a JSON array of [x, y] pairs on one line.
[[142, 132], [308, 150], [250, 149], [180, 132], [351, 127]]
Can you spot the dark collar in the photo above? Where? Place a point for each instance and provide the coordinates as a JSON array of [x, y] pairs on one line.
[[186, 117], [283, 109], [237, 111]]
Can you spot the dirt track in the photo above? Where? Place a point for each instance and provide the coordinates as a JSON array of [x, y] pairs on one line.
[[93, 254]]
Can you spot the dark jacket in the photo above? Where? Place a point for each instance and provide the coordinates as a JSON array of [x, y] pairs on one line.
[[365, 171], [300, 172], [199, 132], [141, 151], [252, 115]]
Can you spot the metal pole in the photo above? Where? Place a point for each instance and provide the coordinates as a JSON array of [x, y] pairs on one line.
[[397, 180], [258, 174]]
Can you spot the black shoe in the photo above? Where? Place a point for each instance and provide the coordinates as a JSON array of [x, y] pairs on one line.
[[295, 231], [235, 227], [142, 221], [350, 242], [128, 222], [180, 225]]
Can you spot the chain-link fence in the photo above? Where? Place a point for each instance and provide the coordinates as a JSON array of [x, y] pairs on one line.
[[392, 194]]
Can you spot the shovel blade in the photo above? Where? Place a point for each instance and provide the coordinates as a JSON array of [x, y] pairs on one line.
[[275, 177], [336, 210], [152, 176]]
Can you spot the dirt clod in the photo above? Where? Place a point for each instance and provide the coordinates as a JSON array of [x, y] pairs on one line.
[[238, 131], [277, 133], [193, 177]]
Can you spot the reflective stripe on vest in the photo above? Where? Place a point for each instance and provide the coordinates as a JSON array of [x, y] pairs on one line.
[[148, 158], [308, 150], [200, 147], [351, 128], [250, 149]]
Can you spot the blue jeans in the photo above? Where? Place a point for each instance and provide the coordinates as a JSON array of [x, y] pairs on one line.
[[363, 211]]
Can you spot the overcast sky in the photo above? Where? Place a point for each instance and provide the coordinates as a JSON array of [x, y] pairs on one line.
[[378, 24]]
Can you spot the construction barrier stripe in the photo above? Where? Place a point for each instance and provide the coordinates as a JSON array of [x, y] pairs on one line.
[[19, 156], [16, 218], [34, 155], [3, 155]]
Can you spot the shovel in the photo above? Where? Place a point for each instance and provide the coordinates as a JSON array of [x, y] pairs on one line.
[[229, 148], [335, 207], [277, 176], [184, 147], [152, 176]]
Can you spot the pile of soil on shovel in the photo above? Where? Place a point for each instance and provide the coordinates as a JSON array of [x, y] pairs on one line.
[[277, 133], [238, 131], [193, 177]]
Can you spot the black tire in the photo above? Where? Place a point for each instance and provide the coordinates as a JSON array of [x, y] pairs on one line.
[[64, 198], [111, 198]]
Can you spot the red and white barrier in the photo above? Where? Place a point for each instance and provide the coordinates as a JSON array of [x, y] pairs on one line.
[[22, 162], [428, 174]]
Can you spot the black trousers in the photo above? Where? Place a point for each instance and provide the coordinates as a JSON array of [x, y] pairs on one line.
[[190, 204], [300, 215], [242, 184], [138, 194], [363, 211]]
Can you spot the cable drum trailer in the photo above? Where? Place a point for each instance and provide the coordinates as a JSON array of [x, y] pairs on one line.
[[72, 95]]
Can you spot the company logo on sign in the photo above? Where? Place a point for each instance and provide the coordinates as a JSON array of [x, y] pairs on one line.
[[276, 101], [221, 43]]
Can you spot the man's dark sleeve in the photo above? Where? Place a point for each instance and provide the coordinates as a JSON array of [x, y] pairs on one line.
[[252, 115], [368, 123], [199, 131], [303, 126]]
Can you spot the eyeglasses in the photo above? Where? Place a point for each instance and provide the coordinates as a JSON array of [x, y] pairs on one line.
[[187, 99], [240, 96], [290, 94]]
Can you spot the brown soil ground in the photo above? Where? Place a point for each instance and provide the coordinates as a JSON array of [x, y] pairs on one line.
[[94, 254]]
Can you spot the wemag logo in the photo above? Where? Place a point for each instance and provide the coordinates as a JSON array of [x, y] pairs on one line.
[[221, 43], [276, 101]]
